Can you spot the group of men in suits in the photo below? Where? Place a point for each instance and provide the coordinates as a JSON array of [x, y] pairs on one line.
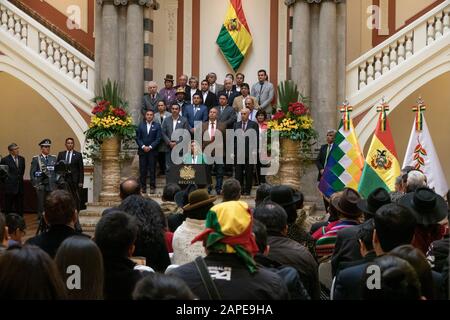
[[47, 173], [218, 107]]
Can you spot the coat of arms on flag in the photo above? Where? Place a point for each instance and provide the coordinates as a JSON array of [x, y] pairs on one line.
[[234, 38]]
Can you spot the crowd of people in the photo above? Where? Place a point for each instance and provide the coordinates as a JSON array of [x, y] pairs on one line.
[[193, 246]]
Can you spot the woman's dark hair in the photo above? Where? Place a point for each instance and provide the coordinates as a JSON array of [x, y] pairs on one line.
[[263, 112], [115, 233], [157, 286], [260, 231], [169, 192], [14, 222], [149, 215], [262, 192], [82, 252], [272, 215], [29, 273], [420, 264], [398, 280]]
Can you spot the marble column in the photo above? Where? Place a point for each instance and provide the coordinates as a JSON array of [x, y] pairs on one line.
[[122, 13], [341, 52], [134, 64], [301, 46], [109, 63], [98, 46], [327, 69]]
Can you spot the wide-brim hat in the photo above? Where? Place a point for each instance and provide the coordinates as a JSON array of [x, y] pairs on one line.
[[198, 199], [180, 90], [283, 195], [376, 199], [348, 203], [169, 77], [427, 206]]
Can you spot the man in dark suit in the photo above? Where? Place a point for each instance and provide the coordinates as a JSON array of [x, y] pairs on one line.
[[321, 161], [227, 115], [212, 130], [196, 111], [150, 99], [169, 126], [75, 177], [214, 87], [209, 98], [228, 91], [245, 156], [180, 96], [394, 226], [13, 186], [148, 136]]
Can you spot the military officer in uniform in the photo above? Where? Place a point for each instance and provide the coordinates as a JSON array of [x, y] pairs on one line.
[[43, 176]]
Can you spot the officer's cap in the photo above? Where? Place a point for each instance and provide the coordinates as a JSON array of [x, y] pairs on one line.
[[45, 143]]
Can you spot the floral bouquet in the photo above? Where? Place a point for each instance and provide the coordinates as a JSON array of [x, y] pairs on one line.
[[110, 117], [293, 117]]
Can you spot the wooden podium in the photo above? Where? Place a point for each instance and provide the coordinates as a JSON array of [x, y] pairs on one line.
[[185, 174]]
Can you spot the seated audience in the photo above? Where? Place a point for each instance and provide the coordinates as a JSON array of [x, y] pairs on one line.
[[230, 246], [231, 190], [16, 229], [262, 193], [127, 188], [60, 215], [200, 202], [162, 287], [150, 242], [286, 251], [28, 273], [83, 253], [115, 235], [3, 234]]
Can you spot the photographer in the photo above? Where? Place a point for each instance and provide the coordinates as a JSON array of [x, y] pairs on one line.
[[73, 176], [13, 184], [43, 177]]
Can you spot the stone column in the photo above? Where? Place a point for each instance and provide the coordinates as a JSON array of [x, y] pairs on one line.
[[109, 61], [301, 46], [98, 45], [341, 52], [134, 63], [327, 70], [123, 21]]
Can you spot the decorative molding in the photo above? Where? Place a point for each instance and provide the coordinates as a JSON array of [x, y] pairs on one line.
[[153, 4], [291, 2]]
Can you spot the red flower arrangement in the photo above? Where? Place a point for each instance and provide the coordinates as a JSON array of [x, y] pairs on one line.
[[298, 108], [119, 112], [278, 115], [101, 107]]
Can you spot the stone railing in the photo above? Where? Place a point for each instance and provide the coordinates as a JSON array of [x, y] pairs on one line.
[[51, 49], [393, 52]]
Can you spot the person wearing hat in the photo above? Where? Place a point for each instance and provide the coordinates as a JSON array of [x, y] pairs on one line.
[[195, 211], [347, 247], [13, 186], [431, 212], [292, 201], [168, 92], [180, 99], [349, 215], [230, 247], [43, 176], [182, 84]]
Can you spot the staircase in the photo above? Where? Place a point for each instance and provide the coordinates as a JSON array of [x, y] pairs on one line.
[[45, 57], [399, 66]]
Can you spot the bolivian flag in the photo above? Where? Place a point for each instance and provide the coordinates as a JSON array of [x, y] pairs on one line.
[[381, 167], [234, 38]]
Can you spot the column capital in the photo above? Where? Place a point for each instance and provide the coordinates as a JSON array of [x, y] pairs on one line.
[[291, 2], [148, 3]]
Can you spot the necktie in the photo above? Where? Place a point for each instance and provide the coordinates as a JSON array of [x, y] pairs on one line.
[[244, 125], [16, 161], [213, 131], [195, 110], [328, 153], [228, 94], [260, 91], [46, 160]]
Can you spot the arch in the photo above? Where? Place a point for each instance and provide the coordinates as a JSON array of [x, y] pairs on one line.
[[57, 100], [400, 91]]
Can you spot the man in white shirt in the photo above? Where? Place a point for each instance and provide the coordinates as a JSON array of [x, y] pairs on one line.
[[213, 86]]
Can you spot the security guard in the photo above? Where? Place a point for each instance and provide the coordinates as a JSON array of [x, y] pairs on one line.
[[42, 174]]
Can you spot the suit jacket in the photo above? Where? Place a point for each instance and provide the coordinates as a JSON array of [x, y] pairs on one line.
[[187, 92], [264, 96], [149, 103], [227, 116], [320, 161], [206, 138], [76, 165], [14, 182], [233, 94], [217, 89], [187, 159], [167, 128], [192, 117], [197, 91], [150, 139], [157, 117], [251, 125], [183, 106], [210, 101], [238, 103], [43, 175]]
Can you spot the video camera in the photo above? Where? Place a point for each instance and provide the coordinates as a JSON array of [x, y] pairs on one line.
[[62, 168], [4, 170]]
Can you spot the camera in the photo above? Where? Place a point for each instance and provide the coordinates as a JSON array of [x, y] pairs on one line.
[[4, 170]]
